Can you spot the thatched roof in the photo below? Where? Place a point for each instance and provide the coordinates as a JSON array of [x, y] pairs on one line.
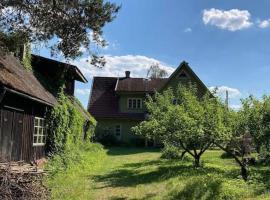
[[15, 77]]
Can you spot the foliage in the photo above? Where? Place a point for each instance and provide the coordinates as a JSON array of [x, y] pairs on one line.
[[70, 21], [184, 120], [139, 173], [251, 124], [27, 58], [66, 124], [73, 181], [13, 42], [172, 152], [255, 116], [156, 72]]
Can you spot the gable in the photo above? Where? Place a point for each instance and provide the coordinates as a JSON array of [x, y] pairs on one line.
[[183, 75]]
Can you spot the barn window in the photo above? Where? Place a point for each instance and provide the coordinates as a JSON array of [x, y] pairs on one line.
[[40, 130]]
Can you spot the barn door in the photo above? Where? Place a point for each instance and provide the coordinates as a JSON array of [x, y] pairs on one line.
[[11, 135]]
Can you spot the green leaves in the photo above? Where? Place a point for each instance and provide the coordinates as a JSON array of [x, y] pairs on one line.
[[69, 21], [66, 123], [184, 120]]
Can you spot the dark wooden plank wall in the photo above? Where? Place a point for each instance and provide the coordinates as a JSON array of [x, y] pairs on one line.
[[20, 122]]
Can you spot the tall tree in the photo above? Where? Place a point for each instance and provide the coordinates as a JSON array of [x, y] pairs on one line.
[[155, 71], [184, 120], [71, 21]]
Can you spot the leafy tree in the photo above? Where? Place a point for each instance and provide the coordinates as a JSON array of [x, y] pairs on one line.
[[70, 21], [255, 116], [156, 72], [184, 120]]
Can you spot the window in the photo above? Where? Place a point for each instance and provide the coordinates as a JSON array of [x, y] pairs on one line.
[[40, 130], [183, 75], [134, 103], [117, 130]]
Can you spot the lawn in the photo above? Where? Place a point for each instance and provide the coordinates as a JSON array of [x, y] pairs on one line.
[[137, 174]]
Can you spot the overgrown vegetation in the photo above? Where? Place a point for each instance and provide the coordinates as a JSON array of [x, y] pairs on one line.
[[133, 173], [17, 44], [69, 131], [75, 181]]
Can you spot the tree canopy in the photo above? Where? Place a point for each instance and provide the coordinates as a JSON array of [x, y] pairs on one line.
[[155, 71], [72, 22], [184, 120]]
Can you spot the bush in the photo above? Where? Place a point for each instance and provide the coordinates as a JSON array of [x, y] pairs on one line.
[[264, 156], [107, 139], [71, 156], [171, 152]]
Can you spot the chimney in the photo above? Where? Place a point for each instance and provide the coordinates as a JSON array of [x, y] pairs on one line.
[[127, 74]]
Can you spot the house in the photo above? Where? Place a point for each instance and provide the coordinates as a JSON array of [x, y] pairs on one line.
[[24, 100], [117, 103]]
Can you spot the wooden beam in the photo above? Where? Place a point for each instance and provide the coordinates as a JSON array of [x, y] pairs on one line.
[[28, 97], [2, 94]]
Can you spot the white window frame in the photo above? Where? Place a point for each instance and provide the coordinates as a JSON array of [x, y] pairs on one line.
[[136, 104], [41, 128]]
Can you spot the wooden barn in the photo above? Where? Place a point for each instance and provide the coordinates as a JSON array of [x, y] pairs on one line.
[[24, 100]]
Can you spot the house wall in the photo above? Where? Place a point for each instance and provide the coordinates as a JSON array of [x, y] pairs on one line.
[[127, 137], [176, 80], [17, 128]]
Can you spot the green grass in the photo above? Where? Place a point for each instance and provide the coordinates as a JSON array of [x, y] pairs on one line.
[[137, 174]]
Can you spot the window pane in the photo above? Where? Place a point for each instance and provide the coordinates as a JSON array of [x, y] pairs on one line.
[[36, 131], [36, 122], [138, 103], [35, 139], [41, 122], [130, 103], [134, 103]]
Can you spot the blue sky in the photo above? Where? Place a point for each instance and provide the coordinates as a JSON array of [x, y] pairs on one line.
[[227, 43]]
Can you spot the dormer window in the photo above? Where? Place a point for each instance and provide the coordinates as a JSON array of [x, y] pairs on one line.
[[134, 103]]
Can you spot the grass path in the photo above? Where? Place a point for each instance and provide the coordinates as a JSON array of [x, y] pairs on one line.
[[138, 174]]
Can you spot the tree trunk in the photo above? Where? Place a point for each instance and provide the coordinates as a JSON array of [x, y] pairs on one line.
[[197, 161], [244, 172], [183, 154]]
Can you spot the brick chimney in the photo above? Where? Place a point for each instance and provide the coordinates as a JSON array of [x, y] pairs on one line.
[[127, 74]]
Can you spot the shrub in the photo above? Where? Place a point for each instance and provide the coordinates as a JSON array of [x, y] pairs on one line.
[[171, 152]]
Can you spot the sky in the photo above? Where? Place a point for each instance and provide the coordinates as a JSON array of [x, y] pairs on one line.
[[226, 43]]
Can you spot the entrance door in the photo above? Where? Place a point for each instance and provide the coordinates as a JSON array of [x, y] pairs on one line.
[[11, 135]]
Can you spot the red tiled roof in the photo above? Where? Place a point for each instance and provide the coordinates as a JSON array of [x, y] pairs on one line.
[[104, 101], [139, 84]]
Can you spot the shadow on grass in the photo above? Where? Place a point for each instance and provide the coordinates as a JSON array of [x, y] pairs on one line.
[[146, 172], [117, 151], [211, 189]]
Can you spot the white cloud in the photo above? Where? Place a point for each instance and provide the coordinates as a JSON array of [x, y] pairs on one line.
[[82, 92], [264, 23], [221, 92], [188, 30], [231, 20], [117, 65], [236, 106]]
